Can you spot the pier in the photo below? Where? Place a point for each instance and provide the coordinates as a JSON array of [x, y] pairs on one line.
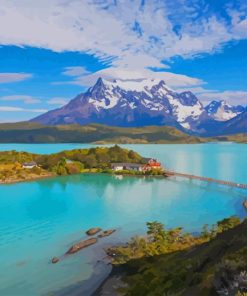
[[169, 173]]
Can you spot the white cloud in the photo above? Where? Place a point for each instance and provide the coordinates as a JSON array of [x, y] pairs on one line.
[[58, 101], [127, 32], [172, 79], [24, 98], [231, 96], [19, 109], [129, 36], [13, 77], [75, 71]]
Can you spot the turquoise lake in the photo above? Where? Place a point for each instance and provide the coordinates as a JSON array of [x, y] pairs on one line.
[[42, 219]]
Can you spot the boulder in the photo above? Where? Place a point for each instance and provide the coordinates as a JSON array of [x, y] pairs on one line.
[[106, 233], [93, 231], [54, 260], [81, 245]]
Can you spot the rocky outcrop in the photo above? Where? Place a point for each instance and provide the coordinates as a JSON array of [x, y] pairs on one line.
[[55, 260], [93, 231], [81, 245], [106, 233]]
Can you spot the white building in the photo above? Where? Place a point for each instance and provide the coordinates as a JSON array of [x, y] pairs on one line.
[[29, 165], [127, 166]]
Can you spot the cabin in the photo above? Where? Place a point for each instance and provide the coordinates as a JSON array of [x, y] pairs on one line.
[[126, 166], [149, 163], [29, 165]]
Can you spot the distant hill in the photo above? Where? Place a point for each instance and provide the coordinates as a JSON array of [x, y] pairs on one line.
[[27, 132], [31, 132]]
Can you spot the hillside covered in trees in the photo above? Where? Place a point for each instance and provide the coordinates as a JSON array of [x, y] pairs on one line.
[[67, 162], [171, 262]]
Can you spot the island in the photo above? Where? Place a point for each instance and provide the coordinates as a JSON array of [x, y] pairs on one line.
[[18, 166]]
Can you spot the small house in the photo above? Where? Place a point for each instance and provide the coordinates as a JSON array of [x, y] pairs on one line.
[[29, 165], [150, 163], [126, 166]]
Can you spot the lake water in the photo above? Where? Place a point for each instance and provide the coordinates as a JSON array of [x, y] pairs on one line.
[[41, 219]]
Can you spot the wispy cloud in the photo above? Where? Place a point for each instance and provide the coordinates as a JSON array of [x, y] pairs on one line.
[[14, 77], [130, 37], [19, 109], [128, 34], [58, 101], [231, 96], [75, 71], [23, 98]]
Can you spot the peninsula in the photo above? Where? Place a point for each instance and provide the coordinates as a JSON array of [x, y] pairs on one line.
[[23, 166]]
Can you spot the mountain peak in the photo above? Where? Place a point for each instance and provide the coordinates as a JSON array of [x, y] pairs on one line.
[[222, 111], [139, 102]]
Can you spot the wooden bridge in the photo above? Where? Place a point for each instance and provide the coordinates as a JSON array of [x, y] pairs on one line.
[[169, 173]]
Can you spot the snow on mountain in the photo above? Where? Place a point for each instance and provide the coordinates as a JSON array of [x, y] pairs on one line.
[[222, 111], [139, 103], [152, 94]]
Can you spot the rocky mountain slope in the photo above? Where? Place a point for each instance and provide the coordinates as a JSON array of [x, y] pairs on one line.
[[222, 111], [140, 103]]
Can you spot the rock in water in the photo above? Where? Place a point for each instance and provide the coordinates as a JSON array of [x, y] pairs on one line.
[[106, 233], [81, 245], [93, 231], [54, 260]]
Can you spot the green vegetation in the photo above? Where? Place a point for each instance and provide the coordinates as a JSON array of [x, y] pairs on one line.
[[170, 262], [67, 162], [27, 132], [151, 172]]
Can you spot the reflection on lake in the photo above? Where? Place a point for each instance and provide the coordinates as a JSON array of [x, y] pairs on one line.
[[41, 219]]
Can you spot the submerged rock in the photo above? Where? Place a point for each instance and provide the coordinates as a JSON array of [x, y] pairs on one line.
[[81, 245], [93, 231], [54, 260], [106, 233], [245, 204]]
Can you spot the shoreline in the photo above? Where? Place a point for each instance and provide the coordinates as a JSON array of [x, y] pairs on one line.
[[9, 182]]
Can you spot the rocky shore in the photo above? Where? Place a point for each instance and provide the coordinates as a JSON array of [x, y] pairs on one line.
[[27, 178], [86, 242]]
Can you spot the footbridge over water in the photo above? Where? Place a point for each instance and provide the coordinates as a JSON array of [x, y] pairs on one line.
[[169, 173]]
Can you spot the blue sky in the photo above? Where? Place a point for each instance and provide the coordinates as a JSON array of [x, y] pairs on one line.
[[53, 50]]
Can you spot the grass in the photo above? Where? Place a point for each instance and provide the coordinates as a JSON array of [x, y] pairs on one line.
[[27, 132]]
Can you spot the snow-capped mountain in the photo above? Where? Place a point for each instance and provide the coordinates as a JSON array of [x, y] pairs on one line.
[[140, 103], [129, 103], [221, 111]]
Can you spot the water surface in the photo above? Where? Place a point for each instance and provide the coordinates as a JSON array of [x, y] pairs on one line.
[[41, 219]]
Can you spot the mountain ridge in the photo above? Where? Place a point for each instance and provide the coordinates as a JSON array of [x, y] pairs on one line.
[[141, 103]]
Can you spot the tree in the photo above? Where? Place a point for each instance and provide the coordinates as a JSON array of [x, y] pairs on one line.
[[61, 167], [227, 223], [156, 231], [90, 161], [205, 231]]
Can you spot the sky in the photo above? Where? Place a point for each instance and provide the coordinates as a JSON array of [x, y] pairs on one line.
[[51, 50]]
